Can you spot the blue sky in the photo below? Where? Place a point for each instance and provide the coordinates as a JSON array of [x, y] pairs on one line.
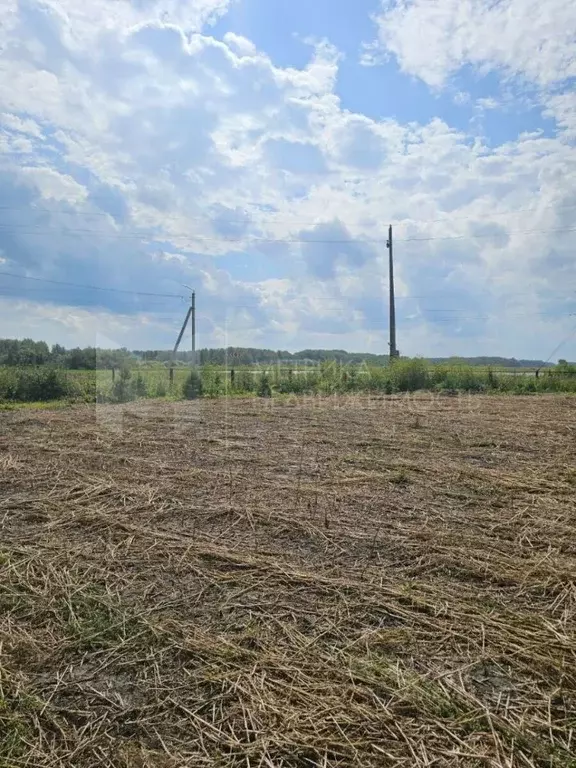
[[258, 150]]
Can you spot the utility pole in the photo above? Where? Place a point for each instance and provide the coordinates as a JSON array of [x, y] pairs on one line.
[[193, 317], [393, 350], [190, 315], [179, 339]]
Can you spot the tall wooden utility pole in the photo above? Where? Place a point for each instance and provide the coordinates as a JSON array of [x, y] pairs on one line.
[[393, 350], [193, 316]]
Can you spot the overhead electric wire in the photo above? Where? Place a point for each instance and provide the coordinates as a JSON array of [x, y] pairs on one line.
[[91, 287], [345, 305], [286, 218], [287, 240], [567, 338], [467, 312]]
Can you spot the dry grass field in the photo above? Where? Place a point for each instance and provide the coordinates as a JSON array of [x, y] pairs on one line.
[[383, 582]]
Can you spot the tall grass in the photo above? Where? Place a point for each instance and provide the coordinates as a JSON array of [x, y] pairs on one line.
[[43, 383]]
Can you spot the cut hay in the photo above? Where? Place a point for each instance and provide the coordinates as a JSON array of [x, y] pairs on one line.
[[383, 582]]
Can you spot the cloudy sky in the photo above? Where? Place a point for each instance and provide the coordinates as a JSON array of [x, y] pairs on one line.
[[257, 150]]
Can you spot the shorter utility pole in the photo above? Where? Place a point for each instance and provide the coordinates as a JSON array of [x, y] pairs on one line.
[[393, 349], [179, 339], [190, 315]]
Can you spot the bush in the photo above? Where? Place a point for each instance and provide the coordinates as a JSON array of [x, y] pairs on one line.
[[8, 383], [161, 389], [330, 378], [350, 379], [565, 369], [376, 379], [139, 387], [192, 388], [264, 388], [244, 381], [212, 382], [459, 377], [292, 384], [121, 390], [409, 375], [35, 384]]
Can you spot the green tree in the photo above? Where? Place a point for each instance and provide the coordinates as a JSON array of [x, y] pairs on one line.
[[264, 388], [192, 387]]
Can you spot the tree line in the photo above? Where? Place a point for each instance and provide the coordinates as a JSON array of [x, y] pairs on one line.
[[27, 352]]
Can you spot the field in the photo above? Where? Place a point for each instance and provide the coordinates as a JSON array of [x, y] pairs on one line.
[[385, 581]]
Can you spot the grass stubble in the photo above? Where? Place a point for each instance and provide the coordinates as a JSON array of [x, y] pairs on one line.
[[236, 583]]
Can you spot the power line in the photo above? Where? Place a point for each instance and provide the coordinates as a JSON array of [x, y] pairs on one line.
[[313, 222], [75, 301], [346, 309], [345, 304], [470, 318], [91, 287], [570, 335], [467, 311], [306, 241], [60, 289]]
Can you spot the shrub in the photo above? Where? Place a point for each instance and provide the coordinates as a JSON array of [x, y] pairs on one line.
[[409, 375], [330, 378], [51, 384], [264, 388], [212, 383], [121, 390], [34, 384], [139, 387], [350, 379], [460, 378], [376, 379], [297, 383], [565, 369], [244, 381], [192, 388], [161, 388], [8, 383]]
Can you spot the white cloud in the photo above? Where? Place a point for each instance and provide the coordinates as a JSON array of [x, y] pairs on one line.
[[53, 185], [75, 326], [171, 157], [432, 39], [87, 21], [15, 123], [240, 44], [488, 103], [562, 107]]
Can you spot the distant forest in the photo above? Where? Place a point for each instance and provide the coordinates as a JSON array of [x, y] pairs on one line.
[[27, 352]]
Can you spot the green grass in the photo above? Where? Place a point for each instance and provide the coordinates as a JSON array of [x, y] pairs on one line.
[[42, 385], [15, 733]]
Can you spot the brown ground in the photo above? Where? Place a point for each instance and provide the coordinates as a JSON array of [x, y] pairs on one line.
[[383, 582]]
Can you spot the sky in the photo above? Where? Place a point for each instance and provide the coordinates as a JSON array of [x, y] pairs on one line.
[[257, 151]]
